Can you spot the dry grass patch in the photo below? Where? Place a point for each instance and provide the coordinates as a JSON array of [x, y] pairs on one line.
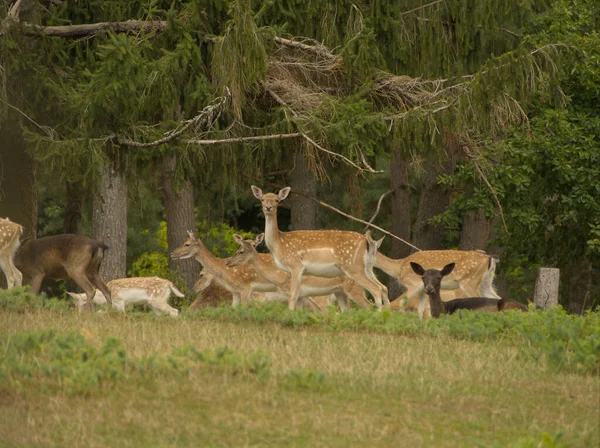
[[323, 389]]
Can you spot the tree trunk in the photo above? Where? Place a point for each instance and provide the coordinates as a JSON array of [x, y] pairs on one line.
[[301, 178], [475, 231], [110, 221], [352, 188], [546, 287], [179, 206], [73, 210], [434, 199], [18, 193], [400, 202]]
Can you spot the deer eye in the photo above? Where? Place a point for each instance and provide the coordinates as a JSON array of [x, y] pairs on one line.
[[186, 244]]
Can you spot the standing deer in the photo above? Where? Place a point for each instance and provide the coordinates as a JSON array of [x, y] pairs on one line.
[[322, 253], [342, 287], [10, 232], [472, 276], [64, 256], [432, 280]]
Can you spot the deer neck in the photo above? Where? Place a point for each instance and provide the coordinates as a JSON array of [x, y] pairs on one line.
[[388, 265], [268, 272], [436, 305], [209, 261], [272, 234]]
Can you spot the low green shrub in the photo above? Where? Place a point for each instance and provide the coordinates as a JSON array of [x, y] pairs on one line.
[[51, 361], [22, 300]]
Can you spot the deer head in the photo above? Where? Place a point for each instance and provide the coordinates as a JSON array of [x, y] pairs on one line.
[[432, 278], [188, 249], [270, 201], [247, 251]]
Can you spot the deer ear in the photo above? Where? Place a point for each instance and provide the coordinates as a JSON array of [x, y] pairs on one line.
[[238, 238], [259, 238], [379, 241], [283, 193], [417, 268], [448, 269], [72, 294], [258, 194]]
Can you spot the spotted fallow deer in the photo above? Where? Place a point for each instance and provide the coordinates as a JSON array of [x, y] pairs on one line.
[[10, 232], [343, 288], [151, 291], [240, 281], [322, 253], [472, 276]]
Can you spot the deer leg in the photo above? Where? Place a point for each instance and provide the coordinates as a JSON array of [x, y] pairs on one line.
[[16, 273], [373, 286], [84, 283], [36, 283], [236, 299], [295, 278], [10, 279], [342, 300], [97, 281]]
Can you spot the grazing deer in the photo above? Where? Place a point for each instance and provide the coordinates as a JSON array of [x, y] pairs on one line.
[[10, 232], [64, 256], [472, 276], [321, 253], [212, 294], [240, 281], [432, 280], [342, 287], [152, 291]]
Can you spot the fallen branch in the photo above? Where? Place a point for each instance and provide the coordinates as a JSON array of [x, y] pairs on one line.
[[208, 116], [244, 139], [89, 29], [320, 50]]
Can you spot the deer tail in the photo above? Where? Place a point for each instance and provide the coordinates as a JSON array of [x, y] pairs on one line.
[[175, 291]]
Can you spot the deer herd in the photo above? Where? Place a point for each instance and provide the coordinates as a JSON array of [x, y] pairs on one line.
[[306, 268]]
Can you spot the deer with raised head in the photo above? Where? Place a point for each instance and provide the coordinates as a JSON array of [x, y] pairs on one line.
[[321, 253], [240, 281], [342, 287], [10, 232], [152, 291], [472, 276], [432, 280], [64, 256]]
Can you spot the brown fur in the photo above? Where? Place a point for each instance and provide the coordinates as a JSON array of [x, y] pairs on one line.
[[64, 256]]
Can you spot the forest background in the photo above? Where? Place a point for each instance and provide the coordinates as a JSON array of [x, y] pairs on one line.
[[466, 124]]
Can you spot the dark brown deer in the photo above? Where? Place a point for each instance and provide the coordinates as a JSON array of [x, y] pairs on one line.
[[64, 256], [432, 280]]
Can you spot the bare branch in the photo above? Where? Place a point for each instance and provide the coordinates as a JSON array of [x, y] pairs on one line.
[[310, 140], [484, 178], [321, 50], [89, 29], [244, 139], [208, 116], [378, 207]]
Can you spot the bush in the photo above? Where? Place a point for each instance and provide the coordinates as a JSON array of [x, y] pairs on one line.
[[21, 300]]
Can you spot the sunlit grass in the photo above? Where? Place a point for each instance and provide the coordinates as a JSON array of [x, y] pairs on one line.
[[320, 387]]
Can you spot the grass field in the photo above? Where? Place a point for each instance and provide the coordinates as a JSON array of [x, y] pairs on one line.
[[222, 379]]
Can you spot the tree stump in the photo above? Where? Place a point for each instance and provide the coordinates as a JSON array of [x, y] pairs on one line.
[[546, 287]]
